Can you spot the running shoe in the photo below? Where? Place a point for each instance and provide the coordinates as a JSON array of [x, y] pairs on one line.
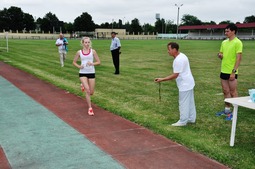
[[90, 112], [178, 124], [229, 117], [221, 113]]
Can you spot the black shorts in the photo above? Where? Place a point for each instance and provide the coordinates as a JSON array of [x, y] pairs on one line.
[[225, 76], [89, 76]]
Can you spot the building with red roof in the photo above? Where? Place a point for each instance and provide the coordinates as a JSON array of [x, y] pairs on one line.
[[245, 31]]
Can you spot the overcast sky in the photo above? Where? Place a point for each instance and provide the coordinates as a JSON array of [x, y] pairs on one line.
[[144, 10]]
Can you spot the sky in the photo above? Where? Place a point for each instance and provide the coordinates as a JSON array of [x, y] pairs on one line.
[[144, 10]]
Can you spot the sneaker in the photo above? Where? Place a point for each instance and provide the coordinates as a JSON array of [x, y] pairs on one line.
[[229, 117], [221, 113], [90, 112], [82, 88], [178, 124]]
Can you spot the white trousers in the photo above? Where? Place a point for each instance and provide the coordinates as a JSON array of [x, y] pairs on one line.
[[187, 107], [62, 57]]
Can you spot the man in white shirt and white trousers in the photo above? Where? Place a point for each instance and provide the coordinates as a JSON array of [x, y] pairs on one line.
[[62, 43], [185, 83]]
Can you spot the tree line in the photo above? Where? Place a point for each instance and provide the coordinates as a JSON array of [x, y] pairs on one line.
[[15, 19]]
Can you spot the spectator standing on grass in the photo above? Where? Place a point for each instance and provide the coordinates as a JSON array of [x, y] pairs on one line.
[[62, 43], [115, 51], [87, 69], [230, 55], [185, 83]]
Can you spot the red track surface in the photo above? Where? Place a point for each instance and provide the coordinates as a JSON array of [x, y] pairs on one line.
[[4, 164], [132, 145]]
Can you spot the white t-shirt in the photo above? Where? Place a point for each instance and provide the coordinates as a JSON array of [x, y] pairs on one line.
[[62, 47], [185, 80], [115, 44], [85, 58]]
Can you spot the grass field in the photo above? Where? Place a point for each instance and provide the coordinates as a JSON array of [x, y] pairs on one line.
[[134, 96]]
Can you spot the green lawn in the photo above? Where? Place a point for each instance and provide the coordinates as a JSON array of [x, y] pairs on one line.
[[134, 96]]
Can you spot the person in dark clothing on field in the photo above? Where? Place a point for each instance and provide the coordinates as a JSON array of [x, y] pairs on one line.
[[115, 50]]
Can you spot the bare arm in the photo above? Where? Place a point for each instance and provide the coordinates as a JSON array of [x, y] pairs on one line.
[[97, 62], [238, 61], [76, 57], [170, 77]]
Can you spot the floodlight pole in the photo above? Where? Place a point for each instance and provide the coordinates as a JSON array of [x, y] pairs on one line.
[[177, 26], [112, 24], [7, 43], [162, 26]]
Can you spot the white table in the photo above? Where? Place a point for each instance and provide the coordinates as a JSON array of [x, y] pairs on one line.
[[238, 101]]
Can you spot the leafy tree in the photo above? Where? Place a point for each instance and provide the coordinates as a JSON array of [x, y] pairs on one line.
[[170, 26], [114, 25], [4, 20], [68, 27], [249, 19], [209, 23], [29, 23], [159, 25], [128, 27], [135, 26], [84, 23], [148, 28], [49, 23], [165, 26], [225, 22], [15, 19], [105, 25], [190, 20], [38, 23], [61, 25], [120, 24]]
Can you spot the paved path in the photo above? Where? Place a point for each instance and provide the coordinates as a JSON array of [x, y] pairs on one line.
[[44, 127]]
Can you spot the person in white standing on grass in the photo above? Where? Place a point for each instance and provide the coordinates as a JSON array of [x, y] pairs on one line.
[[62, 43], [185, 83], [87, 69]]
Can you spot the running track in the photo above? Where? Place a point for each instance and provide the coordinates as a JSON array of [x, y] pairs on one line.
[[44, 127]]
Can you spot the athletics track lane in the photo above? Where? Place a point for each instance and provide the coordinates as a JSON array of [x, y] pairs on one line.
[[131, 145]]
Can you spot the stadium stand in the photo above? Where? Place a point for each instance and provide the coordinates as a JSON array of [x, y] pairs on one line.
[[216, 32]]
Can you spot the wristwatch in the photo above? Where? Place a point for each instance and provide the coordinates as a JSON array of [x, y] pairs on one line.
[[233, 71]]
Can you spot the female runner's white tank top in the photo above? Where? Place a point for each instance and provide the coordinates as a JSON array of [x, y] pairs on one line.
[[85, 58]]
